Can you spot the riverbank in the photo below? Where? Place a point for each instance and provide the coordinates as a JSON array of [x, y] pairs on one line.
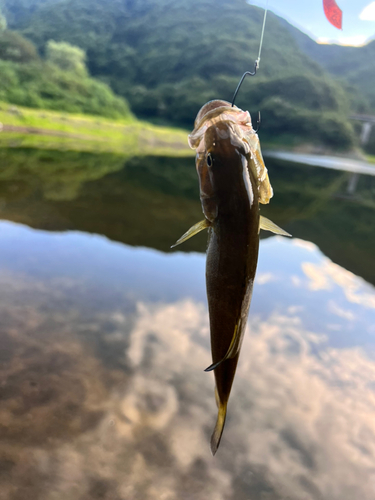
[[54, 130], [26, 127]]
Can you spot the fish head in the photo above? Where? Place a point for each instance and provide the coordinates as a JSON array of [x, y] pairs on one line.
[[222, 162], [225, 152], [223, 135]]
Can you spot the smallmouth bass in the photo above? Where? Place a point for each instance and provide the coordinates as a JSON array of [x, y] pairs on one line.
[[233, 180]]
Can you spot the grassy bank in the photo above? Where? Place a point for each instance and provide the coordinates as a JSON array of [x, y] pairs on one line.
[[55, 130]]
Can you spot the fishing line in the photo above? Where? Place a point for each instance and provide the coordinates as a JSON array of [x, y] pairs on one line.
[[257, 61]]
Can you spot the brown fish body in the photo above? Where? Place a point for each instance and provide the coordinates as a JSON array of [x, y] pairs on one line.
[[230, 202], [233, 180], [232, 256]]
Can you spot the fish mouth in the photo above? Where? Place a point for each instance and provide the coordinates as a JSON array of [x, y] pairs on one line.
[[223, 139]]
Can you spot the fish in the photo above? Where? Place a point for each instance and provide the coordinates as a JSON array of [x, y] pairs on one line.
[[233, 181]]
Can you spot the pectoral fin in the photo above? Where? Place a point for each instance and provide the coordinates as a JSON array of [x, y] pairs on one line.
[[268, 225], [199, 226]]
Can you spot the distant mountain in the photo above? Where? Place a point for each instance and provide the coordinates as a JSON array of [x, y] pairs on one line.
[[353, 65], [212, 36], [168, 57]]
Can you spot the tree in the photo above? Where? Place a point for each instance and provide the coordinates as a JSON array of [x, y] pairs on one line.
[[14, 47], [67, 57]]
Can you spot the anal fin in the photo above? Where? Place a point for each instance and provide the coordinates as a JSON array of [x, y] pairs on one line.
[[232, 350]]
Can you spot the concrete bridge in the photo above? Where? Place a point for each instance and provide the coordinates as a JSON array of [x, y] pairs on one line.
[[368, 122]]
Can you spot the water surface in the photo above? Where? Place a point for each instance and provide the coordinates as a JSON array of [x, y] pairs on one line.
[[104, 337]]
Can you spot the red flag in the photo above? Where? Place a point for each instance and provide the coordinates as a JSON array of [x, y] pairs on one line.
[[333, 13]]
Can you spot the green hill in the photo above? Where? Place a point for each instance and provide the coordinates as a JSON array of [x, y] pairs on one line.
[[60, 81], [169, 57], [354, 66], [42, 85]]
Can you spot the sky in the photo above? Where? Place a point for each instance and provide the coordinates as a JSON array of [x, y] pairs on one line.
[[308, 16]]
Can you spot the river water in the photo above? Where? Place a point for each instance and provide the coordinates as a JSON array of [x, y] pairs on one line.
[[104, 337]]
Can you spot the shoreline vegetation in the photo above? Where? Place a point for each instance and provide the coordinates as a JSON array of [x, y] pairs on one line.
[[114, 60], [87, 84], [45, 129], [53, 130]]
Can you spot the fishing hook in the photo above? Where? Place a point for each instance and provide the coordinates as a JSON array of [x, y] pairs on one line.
[[243, 78], [238, 88], [256, 65], [258, 123]]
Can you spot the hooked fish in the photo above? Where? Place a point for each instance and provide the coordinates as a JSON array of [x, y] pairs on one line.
[[233, 180]]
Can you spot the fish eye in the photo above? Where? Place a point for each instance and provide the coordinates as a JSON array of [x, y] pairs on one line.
[[209, 160]]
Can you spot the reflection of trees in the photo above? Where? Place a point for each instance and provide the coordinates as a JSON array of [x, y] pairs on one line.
[[151, 201], [146, 201], [313, 204], [56, 175]]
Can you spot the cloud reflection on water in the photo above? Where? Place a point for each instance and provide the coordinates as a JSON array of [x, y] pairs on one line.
[[327, 274], [112, 402]]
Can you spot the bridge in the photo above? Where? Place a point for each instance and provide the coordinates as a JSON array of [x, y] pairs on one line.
[[368, 122]]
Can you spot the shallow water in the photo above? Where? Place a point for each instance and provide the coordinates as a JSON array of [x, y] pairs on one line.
[[104, 337]]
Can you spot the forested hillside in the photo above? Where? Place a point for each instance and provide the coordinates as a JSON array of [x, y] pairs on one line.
[[43, 85], [354, 66], [58, 81], [168, 57]]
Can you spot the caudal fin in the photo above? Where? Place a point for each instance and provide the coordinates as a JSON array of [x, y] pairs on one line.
[[218, 431]]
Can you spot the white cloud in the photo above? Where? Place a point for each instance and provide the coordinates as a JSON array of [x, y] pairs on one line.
[[327, 274], [368, 13], [306, 245], [263, 278], [356, 40], [339, 311]]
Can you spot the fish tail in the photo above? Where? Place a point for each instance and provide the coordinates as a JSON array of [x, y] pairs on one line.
[[217, 398], [219, 427]]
